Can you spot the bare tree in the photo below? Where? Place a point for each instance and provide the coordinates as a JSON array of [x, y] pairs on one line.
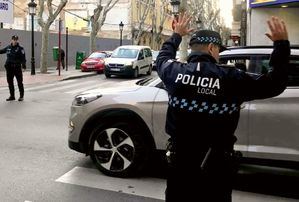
[[206, 12], [143, 8], [45, 24], [158, 29], [98, 19]]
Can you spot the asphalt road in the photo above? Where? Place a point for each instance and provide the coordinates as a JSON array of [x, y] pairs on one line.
[[37, 165]]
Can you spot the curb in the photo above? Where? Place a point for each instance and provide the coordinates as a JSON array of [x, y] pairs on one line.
[[78, 76]]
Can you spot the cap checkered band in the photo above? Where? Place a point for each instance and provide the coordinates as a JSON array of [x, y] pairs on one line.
[[207, 40], [203, 107]]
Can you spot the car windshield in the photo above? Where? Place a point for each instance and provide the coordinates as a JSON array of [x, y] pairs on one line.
[[124, 53], [97, 55]]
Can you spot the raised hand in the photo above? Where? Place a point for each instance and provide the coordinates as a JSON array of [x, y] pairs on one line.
[[278, 29], [181, 24]]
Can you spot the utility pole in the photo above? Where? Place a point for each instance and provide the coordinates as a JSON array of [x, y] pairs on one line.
[[184, 43]]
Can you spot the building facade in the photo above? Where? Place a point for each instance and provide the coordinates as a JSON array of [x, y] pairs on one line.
[[261, 10], [75, 16]]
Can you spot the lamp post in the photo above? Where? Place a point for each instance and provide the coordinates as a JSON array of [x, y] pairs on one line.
[[32, 10], [121, 28], [175, 6]]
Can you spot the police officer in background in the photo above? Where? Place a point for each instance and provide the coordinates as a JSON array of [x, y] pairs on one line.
[[16, 61], [204, 108]]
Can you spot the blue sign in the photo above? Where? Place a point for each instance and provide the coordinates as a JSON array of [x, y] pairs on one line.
[[261, 3]]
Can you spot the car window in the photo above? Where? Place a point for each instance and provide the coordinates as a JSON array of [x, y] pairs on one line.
[[140, 56], [97, 55], [294, 72], [124, 53], [147, 52], [260, 64]]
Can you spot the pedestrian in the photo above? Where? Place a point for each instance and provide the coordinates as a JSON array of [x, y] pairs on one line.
[[62, 55], [204, 109], [15, 62]]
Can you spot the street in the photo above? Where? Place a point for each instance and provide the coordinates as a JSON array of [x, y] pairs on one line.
[[37, 165]]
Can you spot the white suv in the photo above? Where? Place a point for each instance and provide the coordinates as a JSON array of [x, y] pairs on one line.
[[120, 128], [129, 61]]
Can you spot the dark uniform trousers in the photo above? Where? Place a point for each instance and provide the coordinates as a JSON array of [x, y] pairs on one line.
[[14, 70], [211, 183]]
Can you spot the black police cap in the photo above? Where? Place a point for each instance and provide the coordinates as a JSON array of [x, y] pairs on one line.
[[15, 37], [206, 37]]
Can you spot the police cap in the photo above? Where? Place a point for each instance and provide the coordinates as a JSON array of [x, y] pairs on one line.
[[206, 37], [15, 37]]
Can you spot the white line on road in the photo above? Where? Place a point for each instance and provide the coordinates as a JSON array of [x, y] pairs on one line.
[[70, 86], [146, 187], [40, 86]]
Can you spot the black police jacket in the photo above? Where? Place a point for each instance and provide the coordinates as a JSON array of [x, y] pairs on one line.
[[205, 98], [15, 54]]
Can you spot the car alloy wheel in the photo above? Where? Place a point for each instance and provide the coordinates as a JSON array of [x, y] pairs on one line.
[[119, 149]]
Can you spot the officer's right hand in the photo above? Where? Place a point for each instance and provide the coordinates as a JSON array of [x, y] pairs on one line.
[[181, 24], [278, 29]]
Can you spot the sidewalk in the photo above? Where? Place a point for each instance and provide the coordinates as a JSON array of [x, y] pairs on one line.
[[50, 76]]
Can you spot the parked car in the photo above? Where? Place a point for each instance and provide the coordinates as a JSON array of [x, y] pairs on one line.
[[155, 54], [119, 128], [95, 62], [130, 60]]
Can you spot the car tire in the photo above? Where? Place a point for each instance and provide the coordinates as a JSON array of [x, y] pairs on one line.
[[149, 72], [119, 149], [107, 75], [136, 72]]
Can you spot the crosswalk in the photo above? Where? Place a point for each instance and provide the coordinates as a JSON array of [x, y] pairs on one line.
[[75, 86]]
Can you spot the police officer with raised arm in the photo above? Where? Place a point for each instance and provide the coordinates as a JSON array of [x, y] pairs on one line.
[[204, 109], [15, 62]]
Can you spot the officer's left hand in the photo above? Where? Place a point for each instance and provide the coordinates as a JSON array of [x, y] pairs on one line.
[[278, 29], [181, 24]]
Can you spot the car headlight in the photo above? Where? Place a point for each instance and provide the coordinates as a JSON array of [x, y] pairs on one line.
[[84, 99], [130, 63]]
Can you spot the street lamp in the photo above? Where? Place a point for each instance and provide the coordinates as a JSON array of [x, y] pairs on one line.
[[121, 28], [175, 6], [32, 10]]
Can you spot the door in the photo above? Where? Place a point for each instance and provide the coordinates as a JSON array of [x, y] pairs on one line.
[[242, 133], [274, 122]]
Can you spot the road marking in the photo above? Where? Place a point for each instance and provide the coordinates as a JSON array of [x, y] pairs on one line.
[[70, 86], [97, 86], [87, 177], [42, 86]]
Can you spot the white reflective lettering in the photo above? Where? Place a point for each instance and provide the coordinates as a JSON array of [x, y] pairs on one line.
[[192, 82], [186, 79], [204, 82], [179, 77], [216, 84]]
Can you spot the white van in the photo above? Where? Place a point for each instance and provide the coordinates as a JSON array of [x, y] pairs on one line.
[[129, 60]]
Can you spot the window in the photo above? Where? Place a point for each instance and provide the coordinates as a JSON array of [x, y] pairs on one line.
[[240, 62], [259, 64], [294, 72], [140, 56], [147, 52]]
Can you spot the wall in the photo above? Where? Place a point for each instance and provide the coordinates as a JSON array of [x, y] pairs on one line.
[[76, 43], [257, 25]]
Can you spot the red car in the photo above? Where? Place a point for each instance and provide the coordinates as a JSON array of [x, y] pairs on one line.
[[95, 62]]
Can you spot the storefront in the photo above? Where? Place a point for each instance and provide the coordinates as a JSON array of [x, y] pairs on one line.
[[261, 10]]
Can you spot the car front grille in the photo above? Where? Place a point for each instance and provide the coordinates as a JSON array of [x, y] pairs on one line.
[[115, 65]]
